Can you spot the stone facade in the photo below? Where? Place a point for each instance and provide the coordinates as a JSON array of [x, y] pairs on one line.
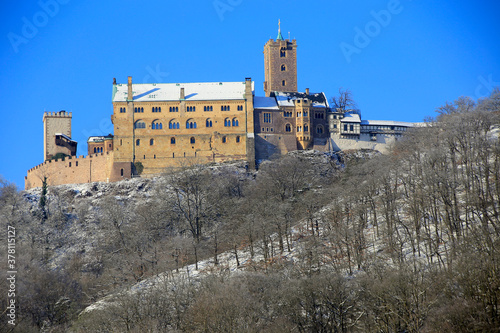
[[57, 134]]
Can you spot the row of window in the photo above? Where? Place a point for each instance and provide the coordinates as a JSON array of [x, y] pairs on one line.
[[97, 150], [190, 123], [157, 109], [192, 140], [288, 128]]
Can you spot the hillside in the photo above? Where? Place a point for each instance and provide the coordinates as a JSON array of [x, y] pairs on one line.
[[353, 242]]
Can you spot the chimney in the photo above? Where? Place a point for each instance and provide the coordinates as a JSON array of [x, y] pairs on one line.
[[307, 91], [248, 86], [183, 97], [130, 96]]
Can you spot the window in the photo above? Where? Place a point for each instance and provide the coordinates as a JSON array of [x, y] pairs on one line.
[[190, 123], [283, 53], [139, 124], [299, 114], [208, 123], [95, 150], [237, 140], [121, 172], [306, 128], [345, 127], [174, 109], [192, 140], [191, 109], [351, 128], [173, 124], [223, 139], [70, 164], [156, 125], [288, 128], [235, 122], [283, 68], [156, 109], [267, 117], [151, 142], [172, 140], [208, 108], [138, 110], [320, 115], [138, 142], [122, 110], [319, 129], [76, 163], [227, 122], [299, 128], [283, 83], [305, 114], [288, 114], [225, 108], [240, 107]]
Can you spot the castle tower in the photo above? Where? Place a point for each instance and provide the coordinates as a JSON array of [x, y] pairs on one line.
[[57, 134], [280, 65]]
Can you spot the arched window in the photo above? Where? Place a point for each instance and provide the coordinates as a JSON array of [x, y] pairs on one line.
[[288, 128], [319, 129], [156, 125], [190, 123], [139, 124], [223, 139], [235, 122], [306, 128], [138, 142], [151, 142], [172, 140], [227, 122], [283, 83], [237, 139], [283, 53], [208, 123], [173, 124], [192, 140], [283, 68], [95, 150]]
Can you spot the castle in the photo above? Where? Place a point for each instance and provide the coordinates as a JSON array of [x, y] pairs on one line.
[[167, 125]]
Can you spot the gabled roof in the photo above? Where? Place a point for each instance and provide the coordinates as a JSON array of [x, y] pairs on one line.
[[268, 103], [351, 118], [286, 98], [203, 91]]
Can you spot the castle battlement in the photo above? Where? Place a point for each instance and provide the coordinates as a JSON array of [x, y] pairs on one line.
[[59, 114], [99, 167]]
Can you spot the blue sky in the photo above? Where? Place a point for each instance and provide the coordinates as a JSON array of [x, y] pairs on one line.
[[401, 59]]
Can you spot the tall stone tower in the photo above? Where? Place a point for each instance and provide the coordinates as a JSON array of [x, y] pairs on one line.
[[57, 134], [280, 64]]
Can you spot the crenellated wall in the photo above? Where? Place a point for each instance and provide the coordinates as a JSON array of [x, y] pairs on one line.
[[84, 169]]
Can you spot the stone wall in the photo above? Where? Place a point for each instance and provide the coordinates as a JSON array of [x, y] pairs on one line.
[[84, 169]]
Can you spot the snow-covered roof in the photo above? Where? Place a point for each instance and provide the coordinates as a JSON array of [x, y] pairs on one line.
[[268, 103], [64, 136], [286, 98], [351, 118], [99, 138], [203, 91], [387, 123]]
